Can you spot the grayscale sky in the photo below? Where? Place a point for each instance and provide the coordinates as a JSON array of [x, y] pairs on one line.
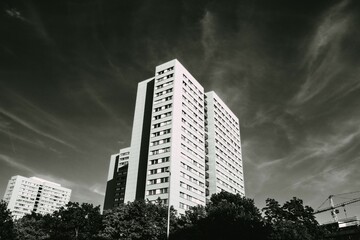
[[288, 69]]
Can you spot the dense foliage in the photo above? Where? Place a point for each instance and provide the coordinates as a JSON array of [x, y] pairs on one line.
[[226, 216], [292, 221], [6, 223], [136, 220]]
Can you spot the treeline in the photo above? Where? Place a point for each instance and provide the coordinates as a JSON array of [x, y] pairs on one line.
[[226, 216]]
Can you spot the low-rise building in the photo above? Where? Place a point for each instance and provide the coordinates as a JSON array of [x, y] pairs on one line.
[[25, 195]]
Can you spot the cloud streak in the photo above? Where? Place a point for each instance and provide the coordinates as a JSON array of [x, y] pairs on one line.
[[16, 164], [208, 39], [13, 12], [330, 156], [97, 99], [31, 127], [323, 60]]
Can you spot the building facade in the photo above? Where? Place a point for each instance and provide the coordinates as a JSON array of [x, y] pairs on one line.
[[116, 182], [224, 147], [25, 195], [185, 143]]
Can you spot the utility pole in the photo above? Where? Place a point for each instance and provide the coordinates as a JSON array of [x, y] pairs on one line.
[[169, 212]]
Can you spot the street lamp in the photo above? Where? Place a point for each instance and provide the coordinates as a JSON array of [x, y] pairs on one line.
[[168, 215]]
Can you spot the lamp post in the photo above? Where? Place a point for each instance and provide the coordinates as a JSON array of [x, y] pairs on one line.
[[169, 213]]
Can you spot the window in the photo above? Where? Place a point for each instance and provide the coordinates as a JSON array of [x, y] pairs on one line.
[[164, 169], [164, 179], [152, 192], [162, 100], [162, 141], [162, 116], [163, 190], [165, 70], [152, 181], [161, 133], [158, 94], [167, 83], [155, 161]]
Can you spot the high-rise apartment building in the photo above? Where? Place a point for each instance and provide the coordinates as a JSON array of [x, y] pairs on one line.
[[185, 143], [25, 195]]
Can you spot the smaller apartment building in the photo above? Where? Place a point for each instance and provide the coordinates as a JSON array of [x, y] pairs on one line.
[[25, 195], [116, 182]]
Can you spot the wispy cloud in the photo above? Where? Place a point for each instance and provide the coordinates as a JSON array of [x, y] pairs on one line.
[[270, 163], [33, 128], [323, 60], [64, 182], [30, 16], [97, 99], [236, 64], [98, 189], [326, 160], [325, 179], [33, 118], [323, 161], [19, 137], [82, 192], [32, 112], [208, 38], [13, 12], [35, 111], [15, 163], [341, 139], [332, 26], [4, 124]]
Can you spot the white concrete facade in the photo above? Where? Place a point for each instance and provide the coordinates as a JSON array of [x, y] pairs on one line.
[[123, 155], [177, 151], [112, 166], [224, 145], [25, 195], [134, 157]]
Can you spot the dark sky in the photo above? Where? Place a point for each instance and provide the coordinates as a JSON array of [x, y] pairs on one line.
[[288, 69]]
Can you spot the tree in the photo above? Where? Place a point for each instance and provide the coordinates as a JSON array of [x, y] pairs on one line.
[[191, 217], [6, 223], [186, 226], [227, 216], [292, 221], [33, 226], [76, 222], [136, 220]]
